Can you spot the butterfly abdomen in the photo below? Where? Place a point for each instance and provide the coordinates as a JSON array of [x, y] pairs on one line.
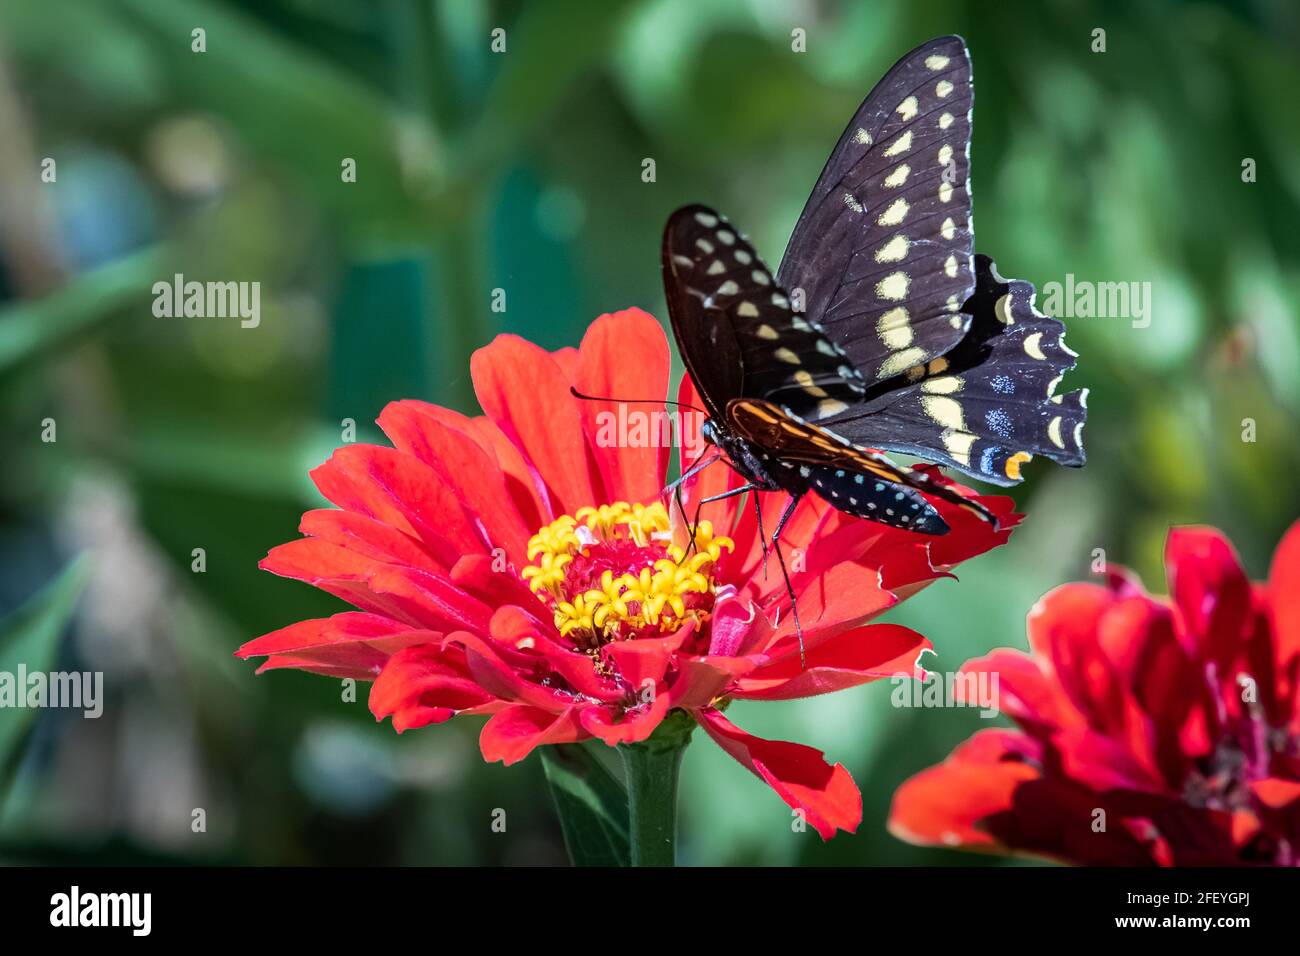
[[865, 496]]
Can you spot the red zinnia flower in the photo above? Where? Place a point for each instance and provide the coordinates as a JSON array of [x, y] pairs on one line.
[[522, 565], [1153, 731]]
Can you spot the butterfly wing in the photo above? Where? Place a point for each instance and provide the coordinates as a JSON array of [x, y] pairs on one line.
[[882, 254], [735, 327], [990, 404]]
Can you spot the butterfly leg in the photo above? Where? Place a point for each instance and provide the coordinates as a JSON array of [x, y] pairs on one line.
[[789, 588], [699, 505], [693, 469]]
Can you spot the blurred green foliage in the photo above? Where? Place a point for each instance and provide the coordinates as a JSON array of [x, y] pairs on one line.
[[522, 171]]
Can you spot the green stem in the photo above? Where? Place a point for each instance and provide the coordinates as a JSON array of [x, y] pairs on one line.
[[652, 767]]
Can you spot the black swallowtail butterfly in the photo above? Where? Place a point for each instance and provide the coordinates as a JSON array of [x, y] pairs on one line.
[[905, 340]]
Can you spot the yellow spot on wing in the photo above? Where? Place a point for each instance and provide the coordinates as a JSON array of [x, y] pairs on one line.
[[942, 88], [1002, 309], [895, 214], [948, 229], [1032, 348], [894, 328], [907, 108], [893, 287], [936, 62], [785, 355], [945, 191], [894, 250], [898, 176], [959, 445], [900, 145], [945, 411], [1054, 432], [944, 385], [945, 121], [900, 361]]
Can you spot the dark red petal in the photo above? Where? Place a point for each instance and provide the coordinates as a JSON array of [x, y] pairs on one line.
[[1063, 630], [1026, 691], [1211, 593], [825, 793], [1284, 596], [625, 355]]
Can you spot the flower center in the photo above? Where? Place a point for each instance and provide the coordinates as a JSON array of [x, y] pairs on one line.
[[612, 573]]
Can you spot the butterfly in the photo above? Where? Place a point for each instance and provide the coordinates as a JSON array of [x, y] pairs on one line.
[[882, 330]]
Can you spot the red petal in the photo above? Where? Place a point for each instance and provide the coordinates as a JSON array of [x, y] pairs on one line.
[[424, 684], [645, 660], [511, 734], [351, 639], [1210, 591], [398, 490], [1284, 595], [944, 805], [367, 537], [615, 726], [523, 389], [825, 793], [1063, 630], [848, 659], [845, 596], [471, 473], [625, 355]]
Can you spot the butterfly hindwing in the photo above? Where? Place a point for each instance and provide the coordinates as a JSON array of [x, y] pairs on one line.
[[990, 404], [882, 253], [727, 310]]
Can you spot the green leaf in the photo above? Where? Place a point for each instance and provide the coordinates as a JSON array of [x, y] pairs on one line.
[[31, 330], [30, 636], [592, 805]]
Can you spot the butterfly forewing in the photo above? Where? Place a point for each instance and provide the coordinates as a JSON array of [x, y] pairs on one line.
[[989, 405], [882, 254], [735, 326]]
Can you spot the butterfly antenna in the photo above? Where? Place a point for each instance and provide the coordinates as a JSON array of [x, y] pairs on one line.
[[635, 401]]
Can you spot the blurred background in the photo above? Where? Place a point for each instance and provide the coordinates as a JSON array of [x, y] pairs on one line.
[[522, 170]]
